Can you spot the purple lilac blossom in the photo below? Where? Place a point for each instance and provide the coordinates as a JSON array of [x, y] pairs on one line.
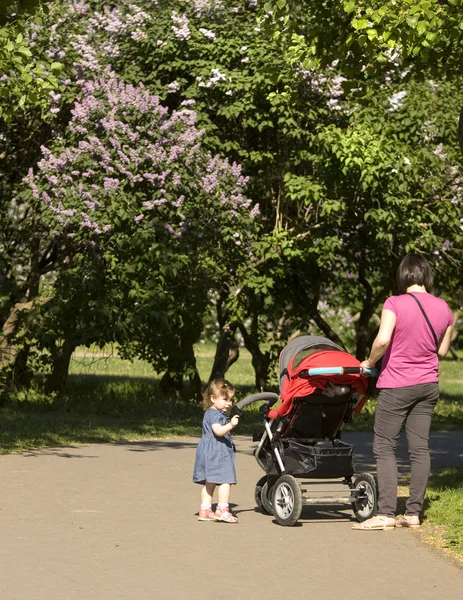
[[125, 160]]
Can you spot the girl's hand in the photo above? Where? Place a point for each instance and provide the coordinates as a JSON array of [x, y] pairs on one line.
[[235, 420]]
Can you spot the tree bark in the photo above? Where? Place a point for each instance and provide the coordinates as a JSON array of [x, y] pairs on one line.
[[8, 351], [460, 130], [180, 365], [188, 352], [325, 327], [307, 295], [61, 356], [171, 385], [22, 374], [226, 353], [260, 360], [10, 354]]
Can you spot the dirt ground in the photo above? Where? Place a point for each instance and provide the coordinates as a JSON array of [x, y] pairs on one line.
[[119, 521]]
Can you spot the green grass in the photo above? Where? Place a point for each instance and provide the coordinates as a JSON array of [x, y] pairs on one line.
[[444, 507], [110, 399], [88, 362], [443, 510]]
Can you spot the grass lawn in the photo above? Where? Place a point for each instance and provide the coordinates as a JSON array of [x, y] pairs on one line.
[[110, 399], [443, 511]]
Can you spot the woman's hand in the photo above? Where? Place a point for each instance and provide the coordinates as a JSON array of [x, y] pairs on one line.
[[368, 364]]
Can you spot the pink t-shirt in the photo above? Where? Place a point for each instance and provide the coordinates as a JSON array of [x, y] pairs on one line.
[[411, 357]]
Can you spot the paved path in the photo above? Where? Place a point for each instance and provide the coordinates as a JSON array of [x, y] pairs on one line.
[[117, 521]]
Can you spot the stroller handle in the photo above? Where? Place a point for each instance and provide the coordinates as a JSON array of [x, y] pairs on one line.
[[338, 371], [269, 397]]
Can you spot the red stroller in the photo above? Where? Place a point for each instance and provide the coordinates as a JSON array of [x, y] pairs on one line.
[[302, 436]]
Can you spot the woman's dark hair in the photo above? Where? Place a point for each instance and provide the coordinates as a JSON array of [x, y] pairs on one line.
[[414, 269]]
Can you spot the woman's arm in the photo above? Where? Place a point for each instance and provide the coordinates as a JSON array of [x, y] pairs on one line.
[[382, 340], [221, 430], [444, 344]]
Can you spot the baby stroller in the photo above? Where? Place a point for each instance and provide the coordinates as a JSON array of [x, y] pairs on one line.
[[302, 436]]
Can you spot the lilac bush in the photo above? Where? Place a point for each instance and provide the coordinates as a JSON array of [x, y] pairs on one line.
[[129, 164], [134, 201]]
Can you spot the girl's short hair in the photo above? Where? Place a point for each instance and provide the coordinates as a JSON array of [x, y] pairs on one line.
[[414, 269], [218, 388]]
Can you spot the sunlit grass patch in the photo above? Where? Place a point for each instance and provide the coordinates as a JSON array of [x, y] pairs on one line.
[[444, 507]]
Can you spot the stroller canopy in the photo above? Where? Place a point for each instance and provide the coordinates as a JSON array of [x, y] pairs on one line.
[[304, 345], [306, 352]]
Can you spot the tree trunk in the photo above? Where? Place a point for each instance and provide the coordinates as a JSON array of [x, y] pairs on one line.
[[171, 385], [306, 292], [183, 363], [460, 130], [22, 374], [9, 352], [325, 327], [226, 353], [56, 382], [363, 338], [260, 360], [188, 352]]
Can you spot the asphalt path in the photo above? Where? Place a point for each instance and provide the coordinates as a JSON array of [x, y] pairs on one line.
[[119, 521]]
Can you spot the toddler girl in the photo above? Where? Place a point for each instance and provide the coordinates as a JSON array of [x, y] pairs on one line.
[[215, 455]]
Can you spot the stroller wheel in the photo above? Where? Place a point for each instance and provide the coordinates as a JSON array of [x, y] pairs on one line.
[[263, 494], [366, 504], [287, 501]]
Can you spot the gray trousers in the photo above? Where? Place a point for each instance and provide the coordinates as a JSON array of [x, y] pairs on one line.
[[412, 405]]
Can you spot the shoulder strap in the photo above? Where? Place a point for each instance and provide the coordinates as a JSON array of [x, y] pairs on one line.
[[426, 317]]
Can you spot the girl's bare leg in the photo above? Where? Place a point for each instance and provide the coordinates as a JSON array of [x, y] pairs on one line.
[[207, 492], [223, 509], [224, 493]]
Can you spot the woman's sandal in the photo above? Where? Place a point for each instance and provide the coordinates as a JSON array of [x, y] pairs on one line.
[[379, 522], [411, 521]]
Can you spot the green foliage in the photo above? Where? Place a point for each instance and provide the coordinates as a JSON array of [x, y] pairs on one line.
[[27, 78], [10, 8], [367, 36], [350, 171]]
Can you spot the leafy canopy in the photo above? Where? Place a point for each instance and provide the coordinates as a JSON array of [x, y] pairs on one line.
[[364, 35]]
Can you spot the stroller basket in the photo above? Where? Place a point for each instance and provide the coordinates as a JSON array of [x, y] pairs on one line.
[[323, 460]]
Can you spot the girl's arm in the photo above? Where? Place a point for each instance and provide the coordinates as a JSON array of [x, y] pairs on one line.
[[382, 340], [221, 430], [444, 344]]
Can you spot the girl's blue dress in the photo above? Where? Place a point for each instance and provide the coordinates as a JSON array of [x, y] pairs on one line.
[[215, 456]]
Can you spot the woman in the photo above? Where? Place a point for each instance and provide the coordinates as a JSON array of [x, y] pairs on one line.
[[414, 332]]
